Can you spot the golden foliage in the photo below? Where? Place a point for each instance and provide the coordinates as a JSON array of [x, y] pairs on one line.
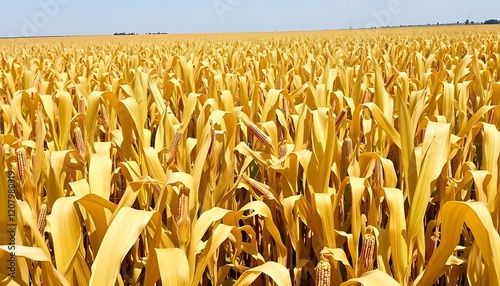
[[213, 159]]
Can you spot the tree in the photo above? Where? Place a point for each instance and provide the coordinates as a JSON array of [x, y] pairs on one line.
[[467, 22], [491, 21]]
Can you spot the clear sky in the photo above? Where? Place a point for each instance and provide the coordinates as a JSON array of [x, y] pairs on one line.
[[92, 17]]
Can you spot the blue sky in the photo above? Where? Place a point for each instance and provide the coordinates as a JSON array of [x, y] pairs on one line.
[[91, 17]]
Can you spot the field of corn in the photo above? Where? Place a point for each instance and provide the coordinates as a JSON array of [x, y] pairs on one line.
[[320, 158]]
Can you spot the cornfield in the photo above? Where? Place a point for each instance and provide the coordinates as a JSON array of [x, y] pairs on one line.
[[306, 158]]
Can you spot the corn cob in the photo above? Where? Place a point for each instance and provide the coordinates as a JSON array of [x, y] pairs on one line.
[[104, 116], [79, 143], [378, 176], [263, 138], [433, 241], [42, 219], [81, 105], [211, 150], [182, 219], [347, 150], [21, 164], [172, 151], [261, 190], [323, 273], [367, 251]]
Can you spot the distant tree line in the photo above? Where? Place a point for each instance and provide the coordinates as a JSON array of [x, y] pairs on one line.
[[127, 34], [124, 34], [487, 22], [492, 21], [467, 22]]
